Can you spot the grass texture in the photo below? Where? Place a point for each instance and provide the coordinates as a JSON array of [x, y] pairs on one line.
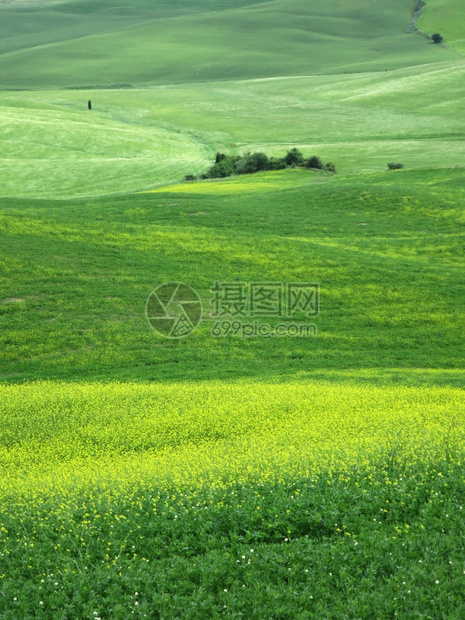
[[386, 249], [286, 478], [329, 501], [445, 17], [137, 139], [291, 37]]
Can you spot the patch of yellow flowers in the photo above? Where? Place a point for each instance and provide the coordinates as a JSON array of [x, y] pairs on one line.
[[65, 438]]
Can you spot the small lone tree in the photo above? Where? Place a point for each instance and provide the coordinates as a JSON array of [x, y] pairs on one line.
[[89, 105], [437, 38]]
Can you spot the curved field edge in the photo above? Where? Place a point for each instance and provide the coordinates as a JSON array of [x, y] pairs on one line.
[[54, 153], [291, 37], [445, 17], [58, 438], [138, 139]]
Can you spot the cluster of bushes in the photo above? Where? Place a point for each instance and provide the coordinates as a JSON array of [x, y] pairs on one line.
[[393, 166], [248, 163]]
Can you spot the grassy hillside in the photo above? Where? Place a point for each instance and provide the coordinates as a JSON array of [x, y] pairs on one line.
[[228, 476], [55, 151], [137, 139], [387, 250], [26, 25], [447, 18], [266, 39], [381, 95]]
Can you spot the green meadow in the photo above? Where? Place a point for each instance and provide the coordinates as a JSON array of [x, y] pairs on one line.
[[445, 16], [341, 79], [55, 147], [82, 270], [281, 37], [225, 474]]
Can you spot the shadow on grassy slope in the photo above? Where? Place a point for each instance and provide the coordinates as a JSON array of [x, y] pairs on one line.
[[276, 38], [387, 253]]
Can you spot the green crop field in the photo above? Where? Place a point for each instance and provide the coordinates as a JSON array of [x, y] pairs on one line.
[[445, 16], [342, 79], [316, 474]]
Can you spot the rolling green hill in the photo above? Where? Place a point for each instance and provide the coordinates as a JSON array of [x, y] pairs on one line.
[[25, 25], [387, 249], [57, 151], [135, 139], [170, 477], [340, 79], [226, 474], [291, 37], [447, 18]]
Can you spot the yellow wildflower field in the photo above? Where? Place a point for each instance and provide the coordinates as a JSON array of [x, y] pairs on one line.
[[61, 438]]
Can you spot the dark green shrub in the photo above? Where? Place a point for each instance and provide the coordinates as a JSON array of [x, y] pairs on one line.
[[256, 162], [314, 162], [294, 157], [276, 164], [220, 170], [240, 166], [393, 166], [437, 38], [249, 163]]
